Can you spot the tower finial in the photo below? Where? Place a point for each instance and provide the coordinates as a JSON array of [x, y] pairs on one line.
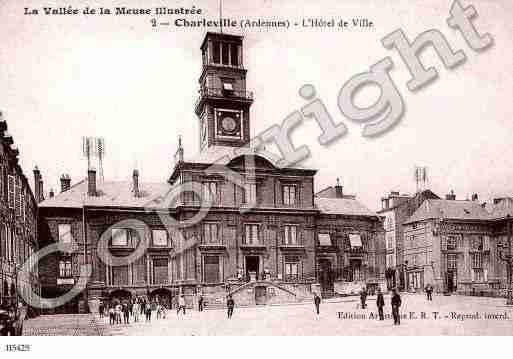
[[221, 15], [338, 181]]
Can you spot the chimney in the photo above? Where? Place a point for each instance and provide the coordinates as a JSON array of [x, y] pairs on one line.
[[450, 196], [65, 183], [338, 190], [135, 183], [37, 184], [474, 197], [91, 182], [51, 193]]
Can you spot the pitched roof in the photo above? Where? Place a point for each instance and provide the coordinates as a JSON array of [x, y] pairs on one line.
[[112, 194], [345, 206], [222, 155], [449, 209], [501, 209]]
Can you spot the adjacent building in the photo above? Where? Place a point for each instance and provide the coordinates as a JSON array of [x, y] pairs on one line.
[[456, 245], [396, 208], [266, 236], [18, 234]]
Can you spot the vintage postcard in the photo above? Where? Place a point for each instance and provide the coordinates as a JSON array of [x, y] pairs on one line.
[[258, 168]]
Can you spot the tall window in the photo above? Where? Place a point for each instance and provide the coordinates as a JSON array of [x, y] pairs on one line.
[[210, 233], [476, 260], [290, 235], [289, 194], [234, 55], [159, 237], [452, 242], [65, 268], [250, 195], [210, 191], [160, 271], [216, 45], [451, 261], [225, 53], [211, 269], [65, 233], [251, 234], [291, 268]]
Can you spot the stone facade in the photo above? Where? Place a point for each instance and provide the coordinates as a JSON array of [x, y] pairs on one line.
[[18, 237], [455, 254], [266, 238]]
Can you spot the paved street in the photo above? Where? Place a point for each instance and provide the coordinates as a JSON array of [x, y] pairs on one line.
[[300, 320], [64, 324]]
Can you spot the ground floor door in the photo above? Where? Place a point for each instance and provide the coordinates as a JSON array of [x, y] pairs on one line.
[[325, 277], [260, 295], [451, 281], [252, 267]]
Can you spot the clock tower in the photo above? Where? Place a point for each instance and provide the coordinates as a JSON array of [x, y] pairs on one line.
[[223, 103]]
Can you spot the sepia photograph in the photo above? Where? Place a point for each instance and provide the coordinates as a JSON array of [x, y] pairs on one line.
[[262, 168]]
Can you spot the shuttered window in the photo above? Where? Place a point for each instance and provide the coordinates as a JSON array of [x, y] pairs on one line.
[[211, 269], [160, 271]]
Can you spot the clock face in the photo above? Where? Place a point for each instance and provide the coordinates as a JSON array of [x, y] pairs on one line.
[[229, 124]]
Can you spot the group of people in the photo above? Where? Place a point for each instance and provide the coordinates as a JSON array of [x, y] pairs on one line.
[[122, 312]]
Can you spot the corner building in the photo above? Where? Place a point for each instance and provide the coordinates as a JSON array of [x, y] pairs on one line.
[[267, 237]]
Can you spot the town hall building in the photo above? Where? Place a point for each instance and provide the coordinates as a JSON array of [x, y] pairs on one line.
[[266, 237]]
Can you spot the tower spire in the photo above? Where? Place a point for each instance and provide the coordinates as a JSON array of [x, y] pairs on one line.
[[221, 16]]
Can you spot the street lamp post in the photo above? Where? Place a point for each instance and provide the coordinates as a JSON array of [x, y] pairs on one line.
[[508, 258]]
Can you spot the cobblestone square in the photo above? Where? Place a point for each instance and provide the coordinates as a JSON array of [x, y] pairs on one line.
[[456, 315]]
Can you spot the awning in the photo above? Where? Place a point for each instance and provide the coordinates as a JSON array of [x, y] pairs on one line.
[[355, 240], [324, 239]]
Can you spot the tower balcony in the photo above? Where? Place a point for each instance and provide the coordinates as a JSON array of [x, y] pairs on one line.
[[222, 94]]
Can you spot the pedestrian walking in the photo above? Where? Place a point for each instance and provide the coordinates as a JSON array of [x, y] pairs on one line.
[[396, 303], [380, 303], [230, 304], [200, 303], [148, 313], [317, 303], [429, 292], [159, 311], [112, 315], [137, 311], [363, 297], [181, 304], [101, 309], [126, 313], [119, 309]]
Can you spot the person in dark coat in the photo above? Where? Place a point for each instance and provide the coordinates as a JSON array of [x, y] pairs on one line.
[[396, 303], [363, 297], [230, 304], [380, 303], [317, 302], [429, 291], [200, 303]]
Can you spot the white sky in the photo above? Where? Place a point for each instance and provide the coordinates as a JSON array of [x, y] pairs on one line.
[[63, 77]]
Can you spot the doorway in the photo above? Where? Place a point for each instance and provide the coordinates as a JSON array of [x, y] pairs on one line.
[[325, 277], [451, 281], [252, 267]]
